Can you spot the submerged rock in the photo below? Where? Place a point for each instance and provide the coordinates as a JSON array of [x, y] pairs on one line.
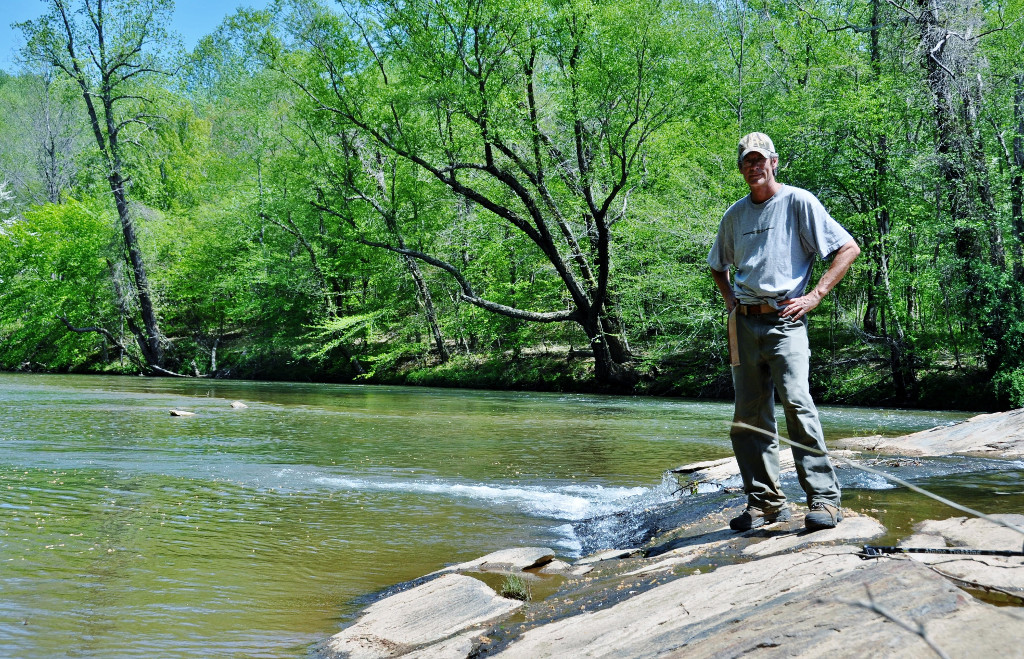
[[182, 413], [561, 567], [238, 405], [607, 555]]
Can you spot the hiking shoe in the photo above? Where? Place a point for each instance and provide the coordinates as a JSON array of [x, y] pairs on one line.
[[753, 518], [822, 516]]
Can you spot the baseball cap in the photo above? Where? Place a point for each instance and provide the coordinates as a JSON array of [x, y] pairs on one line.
[[756, 142]]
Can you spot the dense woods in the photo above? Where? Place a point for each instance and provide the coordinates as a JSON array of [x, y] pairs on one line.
[[517, 194]]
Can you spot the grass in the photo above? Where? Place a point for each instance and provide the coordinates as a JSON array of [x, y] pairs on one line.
[[515, 587]]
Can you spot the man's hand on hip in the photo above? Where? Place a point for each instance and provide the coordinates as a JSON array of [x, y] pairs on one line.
[[799, 307]]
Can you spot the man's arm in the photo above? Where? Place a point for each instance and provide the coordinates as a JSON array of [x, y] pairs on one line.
[[725, 288], [841, 262]]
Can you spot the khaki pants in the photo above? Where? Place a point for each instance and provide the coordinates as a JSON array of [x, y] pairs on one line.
[[774, 354]]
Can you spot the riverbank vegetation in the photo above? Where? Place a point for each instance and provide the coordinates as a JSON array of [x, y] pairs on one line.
[[508, 194]]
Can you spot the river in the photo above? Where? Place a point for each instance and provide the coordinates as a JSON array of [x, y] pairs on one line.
[[258, 531]]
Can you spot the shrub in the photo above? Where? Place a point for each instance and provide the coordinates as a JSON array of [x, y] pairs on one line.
[[1009, 387]]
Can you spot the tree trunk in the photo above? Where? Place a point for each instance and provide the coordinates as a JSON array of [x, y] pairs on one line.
[[870, 322], [425, 298], [152, 345], [607, 369], [1017, 180]]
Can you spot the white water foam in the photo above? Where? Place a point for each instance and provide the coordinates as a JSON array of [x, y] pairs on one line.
[[869, 481], [562, 502]]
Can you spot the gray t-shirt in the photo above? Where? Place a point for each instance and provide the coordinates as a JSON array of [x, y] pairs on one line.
[[773, 244]]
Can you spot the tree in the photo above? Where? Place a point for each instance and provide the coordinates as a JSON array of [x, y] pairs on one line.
[[539, 115], [43, 131], [950, 36], [102, 47]]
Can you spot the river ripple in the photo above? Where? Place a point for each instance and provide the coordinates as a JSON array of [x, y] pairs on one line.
[[254, 532]]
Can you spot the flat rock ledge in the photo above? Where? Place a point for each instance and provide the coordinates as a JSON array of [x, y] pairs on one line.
[[506, 560], [713, 475], [999, 435], [430, 620], [992, 574], [827, 602], [777, 592]]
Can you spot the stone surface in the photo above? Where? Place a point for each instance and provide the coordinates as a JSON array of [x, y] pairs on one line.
[[852, 528], [866, 613], [433, 620], [811, 603], [657, 620], [238, 405], [991, 435], [677, 557], [506, 560], [995, 573], [715, 539], [607, 555], [556, 566], [717, 472], [457, 647], [561, 567], [182, 413]]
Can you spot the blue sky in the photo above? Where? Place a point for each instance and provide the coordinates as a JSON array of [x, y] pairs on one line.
[[192, 19]]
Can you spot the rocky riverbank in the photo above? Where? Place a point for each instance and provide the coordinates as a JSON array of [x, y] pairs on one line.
[[698, 589]]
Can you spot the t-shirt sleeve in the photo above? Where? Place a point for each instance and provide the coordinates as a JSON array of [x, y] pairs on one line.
[[721, 255], [819, 233]]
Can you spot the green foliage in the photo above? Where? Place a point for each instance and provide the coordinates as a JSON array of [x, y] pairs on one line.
[[335, 333], [53, 264], [1009, 387], [328, 191]]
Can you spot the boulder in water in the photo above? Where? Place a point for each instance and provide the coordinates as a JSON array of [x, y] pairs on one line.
[[506, 560], [438, 619], [999, 435]]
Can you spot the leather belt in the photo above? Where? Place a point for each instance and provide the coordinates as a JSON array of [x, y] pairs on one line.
[[755, 309]]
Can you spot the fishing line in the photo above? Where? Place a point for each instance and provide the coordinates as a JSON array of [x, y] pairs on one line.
[[895, 479]]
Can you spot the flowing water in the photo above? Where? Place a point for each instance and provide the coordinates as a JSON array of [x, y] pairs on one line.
[[257, 532]]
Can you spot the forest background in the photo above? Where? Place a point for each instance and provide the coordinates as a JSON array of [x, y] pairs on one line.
[[513, 193]]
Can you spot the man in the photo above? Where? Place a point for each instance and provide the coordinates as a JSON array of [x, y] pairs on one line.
[[771, 237]]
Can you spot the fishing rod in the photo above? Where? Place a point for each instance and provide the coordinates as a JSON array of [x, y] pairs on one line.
[[871, 551]]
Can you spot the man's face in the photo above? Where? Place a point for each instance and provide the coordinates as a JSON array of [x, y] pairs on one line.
[[757, 170]]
